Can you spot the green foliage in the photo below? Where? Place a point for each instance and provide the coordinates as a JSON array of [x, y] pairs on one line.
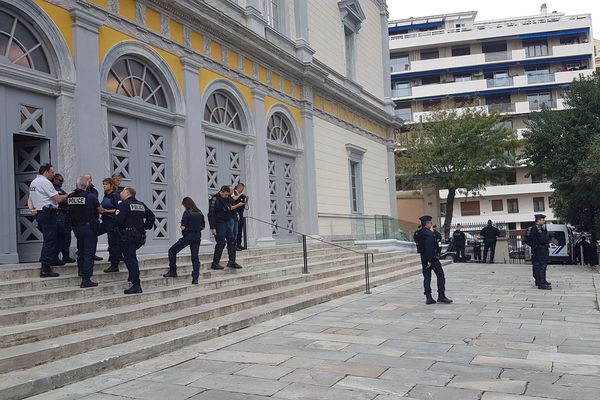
[[565, 146]]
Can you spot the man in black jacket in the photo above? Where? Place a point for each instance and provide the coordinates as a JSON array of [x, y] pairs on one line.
[[460, 240], [490, 235], [427, 248], [538, 238], [219, 214]]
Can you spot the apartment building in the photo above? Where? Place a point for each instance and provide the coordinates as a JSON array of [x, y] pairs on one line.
[[513, 66]]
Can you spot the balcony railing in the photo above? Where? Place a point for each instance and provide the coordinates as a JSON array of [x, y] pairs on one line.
[[399, 66], [404, 113], [498, 56], [541, 104], [501, 107], [540, 78], [497, 82], [402, 92]]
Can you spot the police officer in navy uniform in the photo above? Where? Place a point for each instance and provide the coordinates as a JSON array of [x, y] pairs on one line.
[[538, 238], [219, 216], [427, 247], [43, 204], [63, 242], [192, 224], [490, 236], [132, 218], [460, 240], [84, 208]]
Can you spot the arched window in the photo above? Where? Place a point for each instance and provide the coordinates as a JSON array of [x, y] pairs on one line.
[[278, 129], [19, 46], [222, 110], [131, 78]]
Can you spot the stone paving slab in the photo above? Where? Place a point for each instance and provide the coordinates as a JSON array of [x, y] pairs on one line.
[[502, 339]]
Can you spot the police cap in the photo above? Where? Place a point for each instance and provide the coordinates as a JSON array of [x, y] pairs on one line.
[[425, 218], [539, 216]]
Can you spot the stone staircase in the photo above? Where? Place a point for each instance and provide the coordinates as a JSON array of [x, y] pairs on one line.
[[52, 333]]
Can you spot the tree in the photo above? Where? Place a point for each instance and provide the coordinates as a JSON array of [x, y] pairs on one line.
[[565, 146], [456, 149]]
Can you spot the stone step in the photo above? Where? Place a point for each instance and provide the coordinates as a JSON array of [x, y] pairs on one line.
[[43, 351], [180, 287], [93, 315], [69, 277], [53, 295], [32, 270], [18, 385]]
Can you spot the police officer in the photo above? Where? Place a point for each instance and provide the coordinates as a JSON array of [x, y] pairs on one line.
[[538, 238], [427, 247], [438, 240], [84, 208], [239, 196], [110, 202], [490, 235], [192, 224], [132, 218], [63, 242], [219, 217], [43, 204], [460, 240]]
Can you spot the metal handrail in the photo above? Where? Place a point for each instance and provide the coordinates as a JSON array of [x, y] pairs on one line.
[[319, 239]]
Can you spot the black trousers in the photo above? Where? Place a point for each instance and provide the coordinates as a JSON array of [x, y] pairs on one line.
[[129, 249], [436, 267], [241, 229], [224, 235], [460, 252], [491, 247], [114, 240], [47, 224], [63, 242], [193, 240], [87, 240]]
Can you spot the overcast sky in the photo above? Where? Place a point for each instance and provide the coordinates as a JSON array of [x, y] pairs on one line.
[[486, 10]]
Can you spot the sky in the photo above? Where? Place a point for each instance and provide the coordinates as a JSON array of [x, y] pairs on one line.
[[486, 9]]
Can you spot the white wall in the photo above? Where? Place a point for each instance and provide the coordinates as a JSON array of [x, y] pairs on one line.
[[369, 50], [326, 34], [333, 184]]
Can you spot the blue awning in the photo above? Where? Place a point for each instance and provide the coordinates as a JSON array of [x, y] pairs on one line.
[[425, 25], [568, 32]]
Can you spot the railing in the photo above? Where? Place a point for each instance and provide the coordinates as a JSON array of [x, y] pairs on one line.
[[540, 105], [304, 236], [399, 66], [405, 114], [501, 107], [359, 227], [540, 78], [498, 56], [497, 82], [541, 52], [401, 92]]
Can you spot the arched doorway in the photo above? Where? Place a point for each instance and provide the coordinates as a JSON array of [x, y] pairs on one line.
[[282, 153], [141, 104]]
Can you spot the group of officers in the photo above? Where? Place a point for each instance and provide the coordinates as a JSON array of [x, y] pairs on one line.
[[428, 246], [125, 220]]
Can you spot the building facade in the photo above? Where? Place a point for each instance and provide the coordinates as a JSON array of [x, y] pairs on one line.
[[512, 66], [182, 97]]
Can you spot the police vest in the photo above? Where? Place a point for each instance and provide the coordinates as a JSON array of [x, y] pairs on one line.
[[80, 211], [135, 215], [196, 221]]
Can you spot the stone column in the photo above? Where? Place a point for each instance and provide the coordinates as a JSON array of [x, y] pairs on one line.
[[254, 17], [303, 50], [391, 164], [385, 53], [87, 107], [310, 220], [260, 178]]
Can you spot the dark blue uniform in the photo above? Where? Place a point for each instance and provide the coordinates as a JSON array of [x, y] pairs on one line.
[[111, 202], [83, 213], [428, 248], [489, 235], [539, 240], [192, 236], [460, 240], [219, 217], [63, 239], [132, 219]]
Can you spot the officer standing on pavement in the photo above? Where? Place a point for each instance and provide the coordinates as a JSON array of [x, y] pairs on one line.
[[43, 205], [490, 236], [132, 218], [219, 217], [460, 240], [427, 247], [538, 238], [84, 208]]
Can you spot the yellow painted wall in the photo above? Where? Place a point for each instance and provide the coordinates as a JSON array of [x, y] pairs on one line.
[[101, 3], [62, 19], [197, 42], [176, 31], [248, 67], [233, 59], [216, 51], [276, 81], [262, 74], [287, 87], [270, 102], [207, 77], [109, 37], [153, 19], [127, 9]]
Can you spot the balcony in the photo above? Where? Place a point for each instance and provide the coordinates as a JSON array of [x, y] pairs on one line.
[[499, 82], [501, 108], [399, 65], [536, 105], [540, 78], [404, 113], [402, 92], [498, 56]]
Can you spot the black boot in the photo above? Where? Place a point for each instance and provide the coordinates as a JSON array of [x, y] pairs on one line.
[[69, 260], [443, 299], [87, 282], [194, 281], [430, 300], [47, 272], [216, 266], [112, 268], [134, 289], [234, 265], [171, 274]]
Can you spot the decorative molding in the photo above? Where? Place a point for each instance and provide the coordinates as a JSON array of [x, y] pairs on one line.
[[352, 14], [140, 13], [355, 152], [129, 106], [165, 28], [86, 20], [338, 122]]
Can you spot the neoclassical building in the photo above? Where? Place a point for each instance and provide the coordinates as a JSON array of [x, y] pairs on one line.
[[291, 97]]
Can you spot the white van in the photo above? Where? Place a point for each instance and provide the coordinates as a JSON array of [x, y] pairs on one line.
[[561, 244]]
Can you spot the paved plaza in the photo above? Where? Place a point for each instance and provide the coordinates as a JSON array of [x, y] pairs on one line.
[[500, 340]]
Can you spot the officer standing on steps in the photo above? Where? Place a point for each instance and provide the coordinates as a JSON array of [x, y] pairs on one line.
[[84, 208], [132, 218], [219, 216], [538, 238], [427, 247]]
